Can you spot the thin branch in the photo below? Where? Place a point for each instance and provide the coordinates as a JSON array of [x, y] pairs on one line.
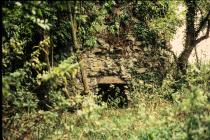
[[206, 35], [199, 8], [202, 24], [197, 58]]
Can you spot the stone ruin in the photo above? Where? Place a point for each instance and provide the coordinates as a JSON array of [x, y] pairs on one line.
[[107, 65]]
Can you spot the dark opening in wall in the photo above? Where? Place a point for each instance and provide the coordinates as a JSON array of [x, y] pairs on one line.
[[113, 94]]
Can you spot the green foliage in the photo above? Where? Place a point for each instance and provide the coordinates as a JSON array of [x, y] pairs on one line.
[[36, 31], [21, 33], [16, 98], [55, 82], [157, 22], [166, 26], [66, 68], [195, 107], [91, 22], [150, 117], [30, 126]]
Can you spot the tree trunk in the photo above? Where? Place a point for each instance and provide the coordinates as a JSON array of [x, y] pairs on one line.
[[75, 42], [84, 76], [190, 41], [47, 57], [183, 59], [73, 24], [46, 54], [192, 34], [197, 59]]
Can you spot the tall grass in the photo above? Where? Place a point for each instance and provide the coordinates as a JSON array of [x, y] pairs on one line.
[[148, 117]]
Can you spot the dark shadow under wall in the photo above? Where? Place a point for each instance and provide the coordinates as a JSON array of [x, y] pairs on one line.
[[113, 94]]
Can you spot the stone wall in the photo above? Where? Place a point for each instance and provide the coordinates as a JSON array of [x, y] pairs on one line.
[[126, 62]]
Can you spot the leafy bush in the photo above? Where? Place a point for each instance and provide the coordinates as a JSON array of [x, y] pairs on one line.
[[16, 98], [194, 107], [53, 84]]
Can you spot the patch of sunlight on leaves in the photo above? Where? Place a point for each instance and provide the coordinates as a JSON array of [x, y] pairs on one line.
[[65, 67]]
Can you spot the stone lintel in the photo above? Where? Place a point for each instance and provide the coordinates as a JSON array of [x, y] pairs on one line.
[[110, 80]]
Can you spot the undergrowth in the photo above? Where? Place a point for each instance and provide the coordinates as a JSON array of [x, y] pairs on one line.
[[149, 116]]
